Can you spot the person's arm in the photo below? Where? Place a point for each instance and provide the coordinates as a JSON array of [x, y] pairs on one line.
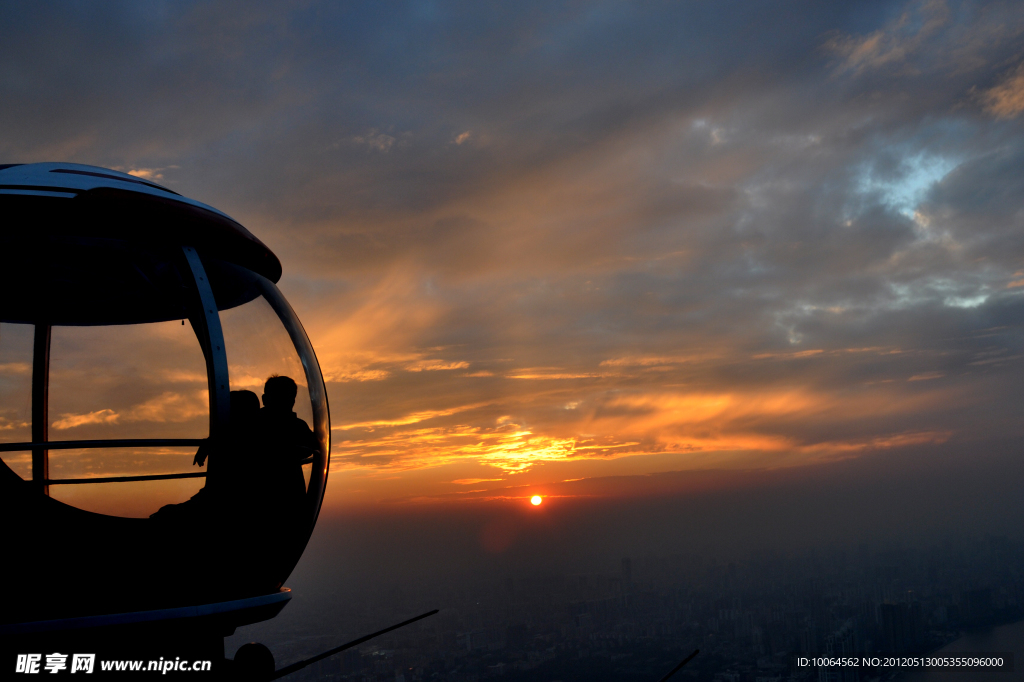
[[305, 444], [201, 453]]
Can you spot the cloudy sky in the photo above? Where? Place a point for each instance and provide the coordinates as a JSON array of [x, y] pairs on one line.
[[562, 248]]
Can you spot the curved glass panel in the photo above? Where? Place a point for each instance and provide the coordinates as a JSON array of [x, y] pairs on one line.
[[127, 381], [117, 382], [267, 472], [317, 394], [258, 347], [262, 338], [132, 499]]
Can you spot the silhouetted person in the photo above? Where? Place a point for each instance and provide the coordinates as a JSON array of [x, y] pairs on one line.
[[229, 463], [286, 441], [227, 466], [217, 523], [247, 520]]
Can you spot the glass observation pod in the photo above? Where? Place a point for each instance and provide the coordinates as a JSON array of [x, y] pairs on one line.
[[164, 428]]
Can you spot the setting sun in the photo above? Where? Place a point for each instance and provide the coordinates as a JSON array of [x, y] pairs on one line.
[[536, 500]]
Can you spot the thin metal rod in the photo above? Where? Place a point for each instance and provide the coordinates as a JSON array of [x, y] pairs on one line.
[[288, 670], [106, 443], [126, 479], [681, 664], [211, 338], [41, 406]]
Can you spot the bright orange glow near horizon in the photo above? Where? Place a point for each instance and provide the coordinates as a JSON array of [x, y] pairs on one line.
[[481, 431], [536, 500]]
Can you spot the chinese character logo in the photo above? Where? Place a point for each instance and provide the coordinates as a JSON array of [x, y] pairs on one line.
[[83, 663], [28, 663], [56, 662]]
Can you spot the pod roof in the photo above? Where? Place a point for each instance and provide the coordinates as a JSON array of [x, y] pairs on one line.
[[88, 245], [74, 200]]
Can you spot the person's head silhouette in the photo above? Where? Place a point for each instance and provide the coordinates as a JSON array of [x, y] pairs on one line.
[[244, 406], [279, 394]]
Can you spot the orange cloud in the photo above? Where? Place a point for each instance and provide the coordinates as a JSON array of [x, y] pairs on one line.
[[15, 368], [1006, 100], [413, 418], [167, 407], [10, 425], [70, 421], [553, 375], [654, 360], [171, 407], [506, 446], [434, 365]]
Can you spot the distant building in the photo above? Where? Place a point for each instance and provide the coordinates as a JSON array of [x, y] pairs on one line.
[[976, 607], [901, 627], [841, 643]]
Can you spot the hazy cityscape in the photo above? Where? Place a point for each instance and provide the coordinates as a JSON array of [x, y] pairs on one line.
[[748, 617]]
